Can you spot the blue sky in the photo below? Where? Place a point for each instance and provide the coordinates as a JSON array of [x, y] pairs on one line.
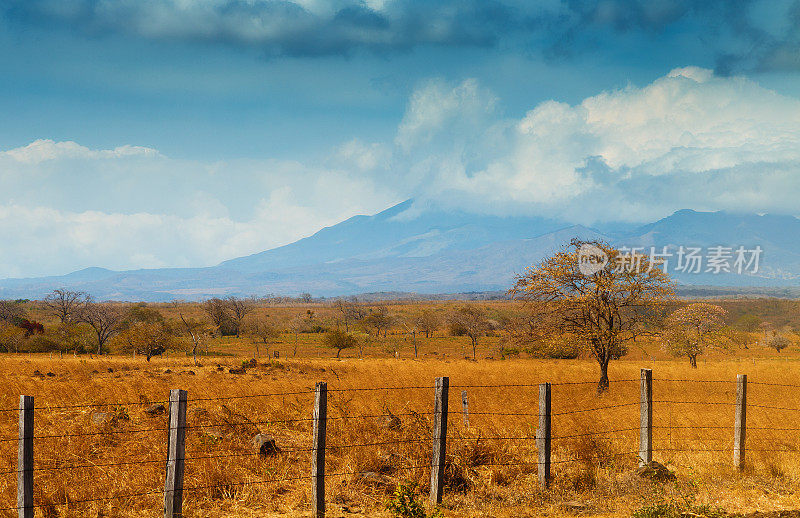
[[148, 133]]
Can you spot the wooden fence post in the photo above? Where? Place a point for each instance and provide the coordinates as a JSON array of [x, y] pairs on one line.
[[318, 453], [544, 434], [25, 458], [439, 439], [740, 422], [646, 418], [465, 407], [176, 452]]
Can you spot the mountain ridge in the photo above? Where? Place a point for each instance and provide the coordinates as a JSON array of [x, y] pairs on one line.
[[403, 249]]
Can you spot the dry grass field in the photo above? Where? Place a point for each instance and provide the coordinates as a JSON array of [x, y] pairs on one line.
[[108, 452]]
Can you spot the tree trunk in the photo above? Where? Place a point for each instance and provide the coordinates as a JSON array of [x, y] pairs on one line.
[[693, 361], [603, 384], [474, 347], [338, 352]]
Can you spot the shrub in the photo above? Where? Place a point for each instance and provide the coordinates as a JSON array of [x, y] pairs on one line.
[[42, 344], [404, 503], [556, 348], [778, 342]]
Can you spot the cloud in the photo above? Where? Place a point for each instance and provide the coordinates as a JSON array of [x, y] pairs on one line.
[[64, 207], [42, 150], [690, 139], [279, 27], [741, 35]]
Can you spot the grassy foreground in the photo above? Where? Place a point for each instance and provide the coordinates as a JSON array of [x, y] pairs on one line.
[[488, 476]]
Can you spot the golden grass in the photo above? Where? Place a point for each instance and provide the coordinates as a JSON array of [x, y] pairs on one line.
[[488, 477]]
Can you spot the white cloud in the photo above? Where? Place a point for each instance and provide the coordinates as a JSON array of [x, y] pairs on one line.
[[437, 109], [64, 206], [688, 140], [711, 140], [42, 150]]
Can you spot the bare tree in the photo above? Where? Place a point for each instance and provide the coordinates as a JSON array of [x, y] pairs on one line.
[[471, 321], [147, 338], [350, 310], [104, 318], [428, 322], [778, 341], [411, 326], [11, 312], [219, 313], [66, 305], [11, 337], [194, 328], [264, 332], [379, 319], [301, 324], [240, 308], [692, 329]]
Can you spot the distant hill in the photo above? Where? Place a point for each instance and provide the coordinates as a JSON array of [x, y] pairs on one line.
[[403, 249]]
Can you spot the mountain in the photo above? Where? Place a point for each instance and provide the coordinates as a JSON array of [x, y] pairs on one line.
[[395, 232], [405, 249]]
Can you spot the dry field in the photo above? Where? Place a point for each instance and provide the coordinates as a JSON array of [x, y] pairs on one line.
[[109, 452]]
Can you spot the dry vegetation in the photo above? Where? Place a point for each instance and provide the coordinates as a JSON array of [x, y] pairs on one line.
[[486, 476]]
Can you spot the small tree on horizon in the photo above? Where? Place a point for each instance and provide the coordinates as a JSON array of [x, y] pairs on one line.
[[693, 328], [428, 322], [239, 308], [471, 321], [66, 305], [104, 318], [778, 341], [379, 319], [263, 331], [339, 340]]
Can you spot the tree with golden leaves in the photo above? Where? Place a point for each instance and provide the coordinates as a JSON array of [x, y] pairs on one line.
[[601, 308], [693, 328]]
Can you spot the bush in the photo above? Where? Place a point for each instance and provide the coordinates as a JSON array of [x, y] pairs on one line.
[[679, 510], [556, 349], [508, 352], [42, 344], [404, 503], [456, 329]]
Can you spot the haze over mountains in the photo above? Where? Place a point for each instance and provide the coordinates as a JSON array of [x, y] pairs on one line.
[[405, 250]]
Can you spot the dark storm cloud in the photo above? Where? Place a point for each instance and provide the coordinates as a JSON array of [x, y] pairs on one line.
[[279, 27], [742, 34]]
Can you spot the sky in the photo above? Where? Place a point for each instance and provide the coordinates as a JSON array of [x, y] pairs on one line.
[[172, 133]]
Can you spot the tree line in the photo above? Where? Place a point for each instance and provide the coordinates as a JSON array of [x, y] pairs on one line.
[[564, 313]]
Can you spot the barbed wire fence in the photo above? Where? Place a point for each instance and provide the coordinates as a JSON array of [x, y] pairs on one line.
[[436, 423]]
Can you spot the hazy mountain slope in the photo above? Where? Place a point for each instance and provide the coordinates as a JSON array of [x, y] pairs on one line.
[[395, 233], [778, 236], [433, 252]]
